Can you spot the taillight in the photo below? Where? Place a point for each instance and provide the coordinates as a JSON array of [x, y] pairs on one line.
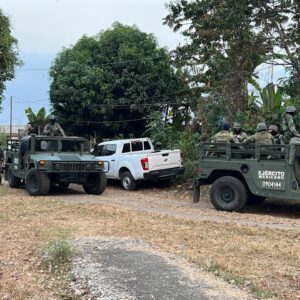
[[181, 156], [145, 163]]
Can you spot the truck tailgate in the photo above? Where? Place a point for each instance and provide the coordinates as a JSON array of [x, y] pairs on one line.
[[164, 160]]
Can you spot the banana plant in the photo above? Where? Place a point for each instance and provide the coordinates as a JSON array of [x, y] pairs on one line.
[[270, 101], [37, 120]]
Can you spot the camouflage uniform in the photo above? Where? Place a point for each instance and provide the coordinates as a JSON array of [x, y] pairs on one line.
[[261, 137], [53, 130], [224, 136], [289, 128], [241, 136]]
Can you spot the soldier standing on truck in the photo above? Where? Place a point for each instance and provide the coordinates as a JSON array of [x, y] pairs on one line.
[[53, 128], [238, 132], [261, 136], [290, 134], [288, 124]]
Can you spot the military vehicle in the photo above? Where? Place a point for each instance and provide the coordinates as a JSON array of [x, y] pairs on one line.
[[42, 162], [241, 175]]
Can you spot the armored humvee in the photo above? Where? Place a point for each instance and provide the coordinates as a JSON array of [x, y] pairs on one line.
[[241, 175], [42, 162]]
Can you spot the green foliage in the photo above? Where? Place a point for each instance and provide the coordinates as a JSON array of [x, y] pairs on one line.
[[57, 253], [38, 120], [3, 139], [102, 81], [171, 137], [8, 53], [224, 47]]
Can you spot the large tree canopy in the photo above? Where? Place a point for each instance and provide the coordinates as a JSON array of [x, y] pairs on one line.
[[224, 46], [109, 83], [8, 53]]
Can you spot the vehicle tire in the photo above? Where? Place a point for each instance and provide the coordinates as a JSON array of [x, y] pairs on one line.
[[96, 184], [13, 181], [37, 183], [255, 200], [228, 193], [128, 182]]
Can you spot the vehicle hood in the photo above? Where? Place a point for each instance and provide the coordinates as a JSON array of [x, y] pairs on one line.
[[63, 157]]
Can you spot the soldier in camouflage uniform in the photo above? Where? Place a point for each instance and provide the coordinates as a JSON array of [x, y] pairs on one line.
[[224, 136], [53, 128], [290, 134], [273, 129], [288, 125], [238, 133], [261, 136]]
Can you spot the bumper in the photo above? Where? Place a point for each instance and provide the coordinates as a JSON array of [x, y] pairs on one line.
[[163, 174]]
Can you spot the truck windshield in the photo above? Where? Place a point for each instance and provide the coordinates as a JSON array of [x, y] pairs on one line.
[[44, 145]]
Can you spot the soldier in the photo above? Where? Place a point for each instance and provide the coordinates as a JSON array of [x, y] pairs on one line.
[[290, 134], [224, 136], [261, 136], [53, 128], [238, 133], [273, 129], [288, 125]]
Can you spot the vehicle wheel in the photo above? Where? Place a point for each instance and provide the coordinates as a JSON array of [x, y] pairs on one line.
[[37, 183], [96, 184], [13, 181], [127, 181], [254, 199], [228, 193]]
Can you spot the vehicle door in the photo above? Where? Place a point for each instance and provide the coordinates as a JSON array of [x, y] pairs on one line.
[[107, 152]]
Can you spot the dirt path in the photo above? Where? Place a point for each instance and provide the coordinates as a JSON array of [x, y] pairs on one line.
[[177, 203]]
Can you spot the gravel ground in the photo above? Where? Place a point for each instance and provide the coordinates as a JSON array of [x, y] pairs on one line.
[[119, 269]]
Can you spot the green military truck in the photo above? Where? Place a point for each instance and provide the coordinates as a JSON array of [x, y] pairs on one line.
[[241, 175], [42, 162]]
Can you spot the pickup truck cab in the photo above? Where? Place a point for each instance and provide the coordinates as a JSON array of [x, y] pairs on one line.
[[134, 160]]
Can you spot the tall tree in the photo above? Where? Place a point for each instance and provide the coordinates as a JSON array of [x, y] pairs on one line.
[[8, 53], [280, 20], [223, 46], [109, 83]]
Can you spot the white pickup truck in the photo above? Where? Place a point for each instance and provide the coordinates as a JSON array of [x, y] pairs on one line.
[[134, 160]]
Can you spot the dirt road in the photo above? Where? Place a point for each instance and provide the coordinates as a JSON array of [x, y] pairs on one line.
[[177, 202]]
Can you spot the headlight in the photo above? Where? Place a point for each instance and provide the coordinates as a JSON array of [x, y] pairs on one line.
[[42, 162], [101, 163]]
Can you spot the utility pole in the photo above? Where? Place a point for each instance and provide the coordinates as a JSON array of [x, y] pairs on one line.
[[10, 117]]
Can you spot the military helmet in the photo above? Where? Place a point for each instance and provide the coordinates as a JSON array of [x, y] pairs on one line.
[[290, 109], [237, 125], [52, 118], [261, 126], [226, 126], [273, 128]]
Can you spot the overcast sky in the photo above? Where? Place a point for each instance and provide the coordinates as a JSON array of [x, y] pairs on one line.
[[43, 27]]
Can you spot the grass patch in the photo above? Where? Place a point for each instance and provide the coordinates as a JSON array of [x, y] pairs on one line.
[[57, 255]]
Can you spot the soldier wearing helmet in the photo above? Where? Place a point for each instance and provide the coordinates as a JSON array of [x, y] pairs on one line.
[[238, 133], [288, 125], [273, 129], [224, 136], [53, 128], [262, 136]]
